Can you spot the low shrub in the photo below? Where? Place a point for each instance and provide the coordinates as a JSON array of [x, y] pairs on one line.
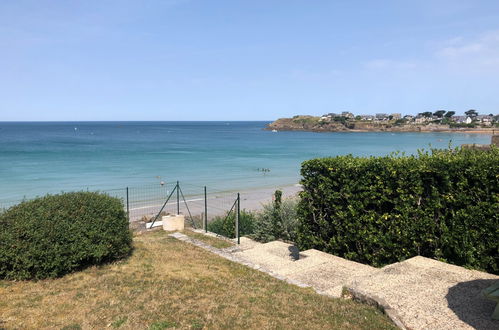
[[277, 220], [226, 225], [442, 204], [462, 125], [58, 234]]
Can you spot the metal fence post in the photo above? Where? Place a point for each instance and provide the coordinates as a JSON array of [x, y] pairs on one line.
[[205, 211], [127, 206], [238, 215], [178, 199]]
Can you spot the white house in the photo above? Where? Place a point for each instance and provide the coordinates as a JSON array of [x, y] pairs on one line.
[[367, 117], [462, 119]]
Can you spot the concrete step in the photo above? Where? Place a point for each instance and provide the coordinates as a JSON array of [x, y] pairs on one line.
[[272, 255], [326, 272], [323, 271], [313, 258], [340, 262], [429, 294], [247, 243], [275, 248]]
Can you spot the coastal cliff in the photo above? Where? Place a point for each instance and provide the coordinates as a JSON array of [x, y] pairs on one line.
[[306, 123], [317, 124]]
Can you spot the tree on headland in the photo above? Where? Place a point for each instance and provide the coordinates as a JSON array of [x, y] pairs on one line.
[[450, 114], [439, 113], [471, 113]]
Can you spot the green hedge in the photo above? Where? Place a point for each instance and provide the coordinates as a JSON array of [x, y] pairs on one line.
[[225, 225], [55, 235], [379, 210], [277, 220]]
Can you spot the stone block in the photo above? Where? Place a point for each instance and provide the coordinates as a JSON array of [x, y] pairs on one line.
[[173, 222]]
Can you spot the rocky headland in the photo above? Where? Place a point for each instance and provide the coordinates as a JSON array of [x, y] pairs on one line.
[[318, 124]]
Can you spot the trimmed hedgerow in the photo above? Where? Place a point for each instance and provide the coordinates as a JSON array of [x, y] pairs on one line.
[[442, 204], [58, 234]]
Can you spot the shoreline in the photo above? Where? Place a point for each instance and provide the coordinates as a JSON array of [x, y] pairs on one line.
[[462, 131], [256, 198]]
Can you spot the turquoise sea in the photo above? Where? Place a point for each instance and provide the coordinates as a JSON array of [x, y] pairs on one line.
[[49, 157]]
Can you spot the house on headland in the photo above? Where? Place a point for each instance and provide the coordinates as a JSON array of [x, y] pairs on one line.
[[462, 119], [422, 119], [347, 114], [484, 119], [381, 116], [367, 117]]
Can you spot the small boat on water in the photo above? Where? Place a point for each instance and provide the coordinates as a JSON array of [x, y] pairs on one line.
[[274, 131]]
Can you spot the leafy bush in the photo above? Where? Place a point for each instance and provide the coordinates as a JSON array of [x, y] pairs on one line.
[[462, 125], [379, 210], [58, 234], [277, 220], [400, 122], [226, 225]]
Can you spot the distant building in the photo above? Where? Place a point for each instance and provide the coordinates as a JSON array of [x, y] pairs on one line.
[[409, 117], [484, 118], [347, 114], [462, 119], [381, 116], [367, 117], [421, 119], [396, 116]]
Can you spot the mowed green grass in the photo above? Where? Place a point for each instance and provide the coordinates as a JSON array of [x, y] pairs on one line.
[[167, 283]]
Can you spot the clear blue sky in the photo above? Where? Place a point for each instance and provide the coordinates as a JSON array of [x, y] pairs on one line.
[[245, 59]]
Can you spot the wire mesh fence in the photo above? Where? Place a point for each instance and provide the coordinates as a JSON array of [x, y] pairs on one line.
[[143, 203], [198, 203]]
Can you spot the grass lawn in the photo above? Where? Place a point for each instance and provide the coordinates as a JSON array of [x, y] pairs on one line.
[[167, 283]]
